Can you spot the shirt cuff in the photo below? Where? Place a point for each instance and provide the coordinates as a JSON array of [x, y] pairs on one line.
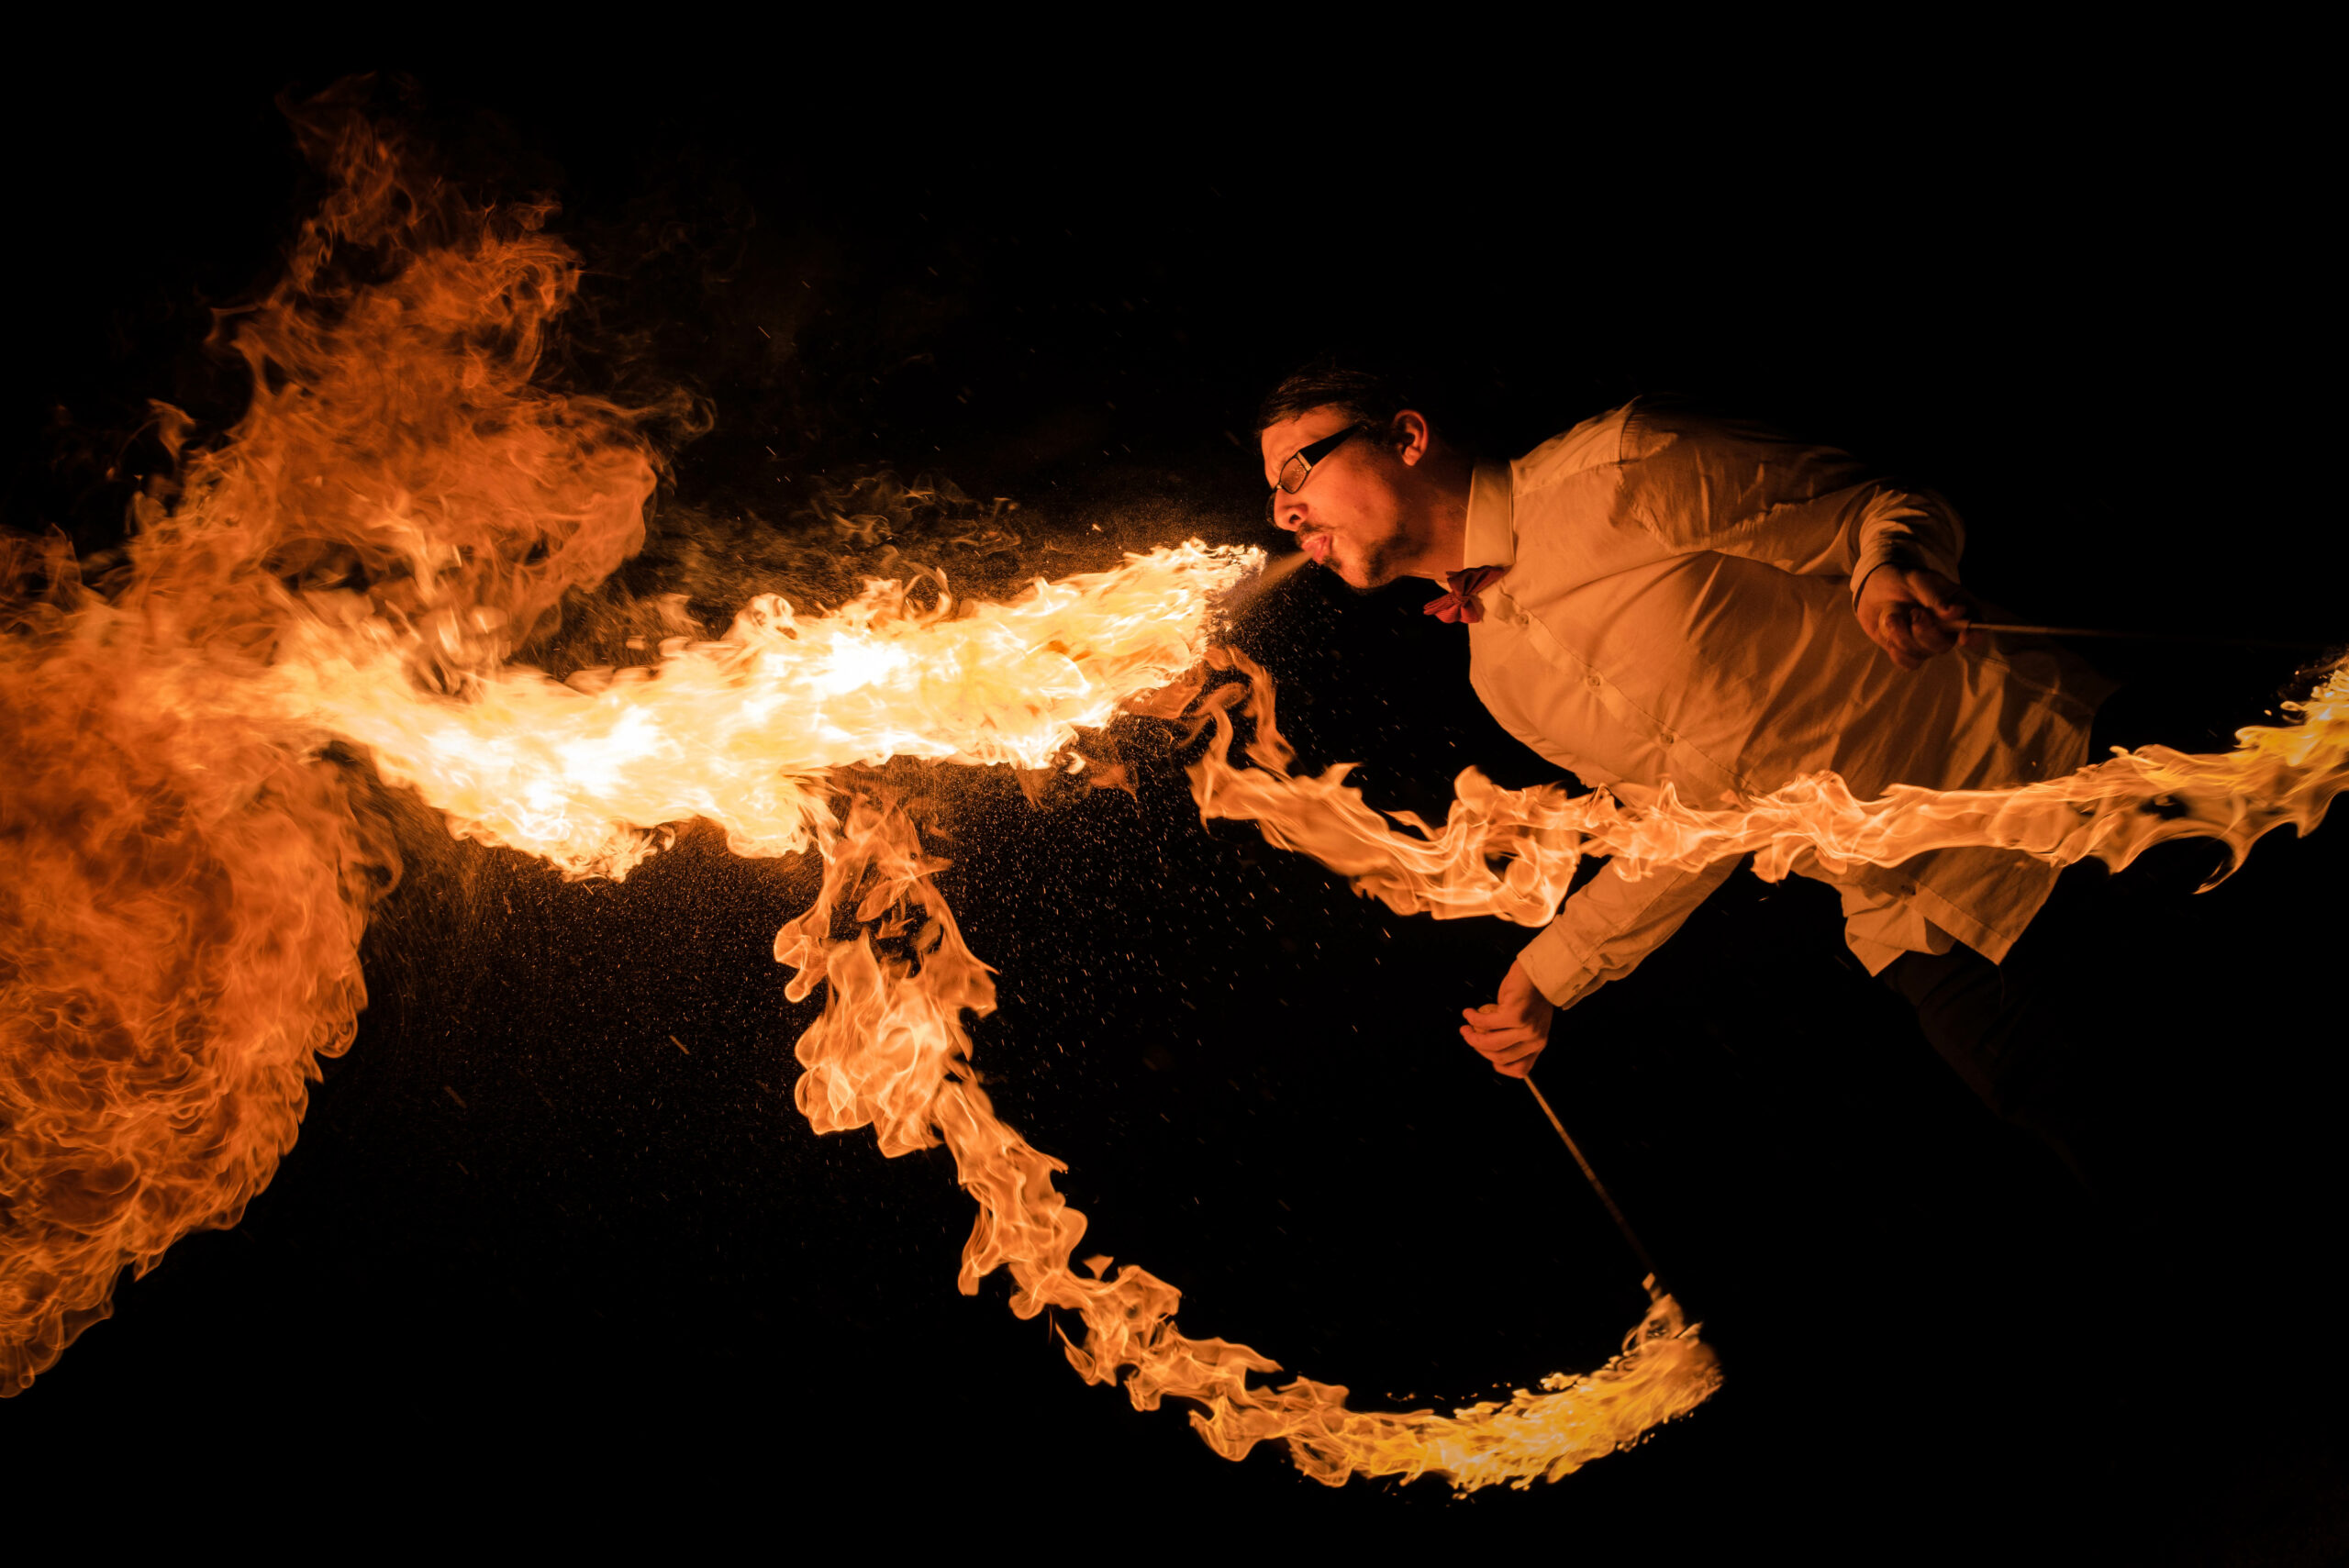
[[1903, 555], [1558, 971], [1861, 572]]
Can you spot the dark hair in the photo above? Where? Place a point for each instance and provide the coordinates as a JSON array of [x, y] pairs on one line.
[[1364, 395]]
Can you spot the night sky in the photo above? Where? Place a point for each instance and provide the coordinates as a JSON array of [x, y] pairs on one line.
[[554, 1219]]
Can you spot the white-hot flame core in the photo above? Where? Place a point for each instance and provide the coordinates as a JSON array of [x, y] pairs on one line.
[[742, 731]]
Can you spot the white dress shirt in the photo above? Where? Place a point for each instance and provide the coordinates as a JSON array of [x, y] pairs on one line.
[[1678, 605]]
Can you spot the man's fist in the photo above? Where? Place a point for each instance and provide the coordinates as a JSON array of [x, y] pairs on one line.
[[1913, 614], [1510, 1033]]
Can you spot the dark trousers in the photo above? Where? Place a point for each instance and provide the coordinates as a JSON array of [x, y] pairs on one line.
[[2079, 1037], [2026, 1036]]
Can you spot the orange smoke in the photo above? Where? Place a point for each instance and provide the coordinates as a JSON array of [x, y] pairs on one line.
[[188, 875], [179, 941]]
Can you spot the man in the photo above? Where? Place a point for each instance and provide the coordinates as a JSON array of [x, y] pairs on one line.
[[1655, 595]]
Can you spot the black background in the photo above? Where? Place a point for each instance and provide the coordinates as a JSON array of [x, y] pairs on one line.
[[554, 1244]]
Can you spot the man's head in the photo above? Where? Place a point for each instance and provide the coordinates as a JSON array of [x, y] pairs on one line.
[[1388, 499]]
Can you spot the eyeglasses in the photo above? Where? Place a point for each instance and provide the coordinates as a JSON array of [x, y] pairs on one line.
[[1301, 464]]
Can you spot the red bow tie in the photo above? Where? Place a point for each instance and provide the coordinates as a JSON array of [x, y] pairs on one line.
[[1459, 607]]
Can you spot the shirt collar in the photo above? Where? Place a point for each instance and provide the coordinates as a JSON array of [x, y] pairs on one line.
[[1492, 522]]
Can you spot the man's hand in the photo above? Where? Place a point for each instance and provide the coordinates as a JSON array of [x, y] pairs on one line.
[[1913, 614], [1510, 1033]]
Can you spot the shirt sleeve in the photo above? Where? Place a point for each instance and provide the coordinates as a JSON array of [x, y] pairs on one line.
[[1610, 924], [1696, 484], [1906, 529]]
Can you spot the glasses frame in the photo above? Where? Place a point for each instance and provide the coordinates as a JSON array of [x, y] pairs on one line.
[[1302, 462]]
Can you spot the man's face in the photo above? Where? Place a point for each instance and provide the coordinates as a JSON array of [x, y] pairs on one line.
[[1350, 515]]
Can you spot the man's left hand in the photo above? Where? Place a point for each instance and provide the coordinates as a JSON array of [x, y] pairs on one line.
[[1510, 1033], [1913, 613]]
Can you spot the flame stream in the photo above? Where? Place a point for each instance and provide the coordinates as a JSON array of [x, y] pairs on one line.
[[890, 1050], [1512, 853]]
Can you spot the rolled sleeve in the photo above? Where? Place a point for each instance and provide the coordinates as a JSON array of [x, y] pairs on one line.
[[1907, 528]]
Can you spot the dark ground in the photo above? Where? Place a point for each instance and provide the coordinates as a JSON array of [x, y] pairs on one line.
[[532, 1261]]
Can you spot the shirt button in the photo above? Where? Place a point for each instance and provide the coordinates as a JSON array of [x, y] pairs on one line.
[[1594, 681], [1669, 738]]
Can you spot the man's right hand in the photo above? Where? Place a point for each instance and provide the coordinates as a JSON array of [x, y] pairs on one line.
[[1913, 613]]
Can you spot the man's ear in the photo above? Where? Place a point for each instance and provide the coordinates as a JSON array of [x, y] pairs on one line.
[[1409, 436]]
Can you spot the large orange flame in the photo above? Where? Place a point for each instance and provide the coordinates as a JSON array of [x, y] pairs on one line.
[[354, 566]]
